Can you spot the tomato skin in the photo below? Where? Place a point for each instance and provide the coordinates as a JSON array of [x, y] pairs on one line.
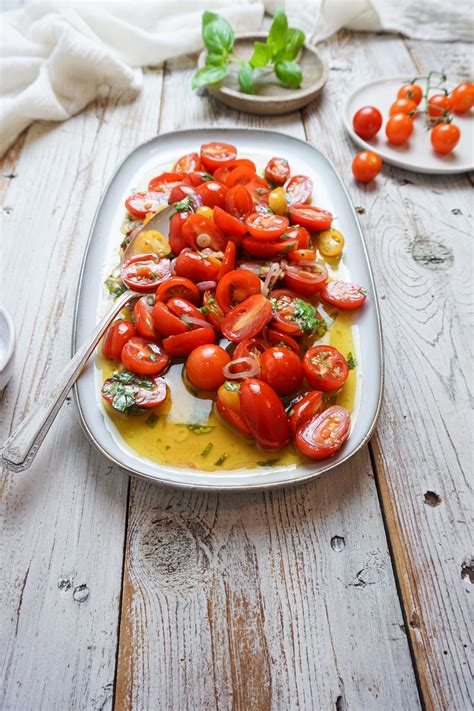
[[236, 286], [144, 357], [462, 98], [438, 105], [195, 267], [266, 227], [212, 193], [270, 250], [247, 318], [143, 313], [367, 122], [228, 224], [277, 170], [260, 192], [313, 218], [145, 397], [238, 201], [214, 313], [311, 404], [411, 91], [180, 192], [263, 413], [175, 238], [183, 343], [183, 308], [282, 369], [166, 322], [306, 279], [445, 137], [144, 272], [240, 176], [323, 435], [116, 337], [228, 261], [165, 182], [178, 286], [188, 163], [278, 338], [204, 366], [344, 295], [403, 106], [285, 313], [217, 155], [301, 234], [139, 204], [325, 368], [199, 233], [228, 405], [298, 189], [366, 166], [399, 129]]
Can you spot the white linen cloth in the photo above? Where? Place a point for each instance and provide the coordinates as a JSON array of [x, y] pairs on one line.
[[54, 56]]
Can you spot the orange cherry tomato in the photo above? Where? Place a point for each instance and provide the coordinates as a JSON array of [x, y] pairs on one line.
[[282, 369], [235, 287], [144, 357], [404, 106], [311, 404], [462, 98], [399, 129], [411, 91], [277, 170], [188, 163], [116, 337], [264, 414], [183, 343], [313, 218], [438, 105], [367, 122], [217, 155], [323, 435], [247, 318], [366, 166], [178, 286], [325, 368], [204, 366], [445, 137]]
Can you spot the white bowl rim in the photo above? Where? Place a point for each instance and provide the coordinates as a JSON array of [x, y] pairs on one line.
[[11, 338]]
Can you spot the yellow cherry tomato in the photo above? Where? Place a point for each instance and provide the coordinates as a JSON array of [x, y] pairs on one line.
[[151, 242], [277, 201], [330, 243], [206, 211]]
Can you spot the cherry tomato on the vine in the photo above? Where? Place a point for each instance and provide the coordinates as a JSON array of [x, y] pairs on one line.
[[411, 91], [399, 129], [403, 106], [445, 137], [439, 105], [462, 98]]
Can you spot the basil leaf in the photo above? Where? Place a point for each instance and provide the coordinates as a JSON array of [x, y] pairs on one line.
[[289, 73], [262, 53], [246, 78], [208, 75], [278, 32], [216, 59], [217, 34], [294, 41]]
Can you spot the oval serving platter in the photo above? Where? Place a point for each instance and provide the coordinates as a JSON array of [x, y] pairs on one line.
[[101, 252]]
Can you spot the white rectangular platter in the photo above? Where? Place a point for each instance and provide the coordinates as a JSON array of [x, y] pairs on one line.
[[329, 193]]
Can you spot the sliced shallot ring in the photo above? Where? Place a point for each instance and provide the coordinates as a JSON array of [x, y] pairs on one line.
[[192, 321], [271, 278], [253, 368], [203, 285]]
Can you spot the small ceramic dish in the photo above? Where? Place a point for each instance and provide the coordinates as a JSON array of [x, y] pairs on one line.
[[271, 98], [7, 347]]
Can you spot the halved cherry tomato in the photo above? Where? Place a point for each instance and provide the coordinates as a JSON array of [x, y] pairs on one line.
[[144, 357], [343, 294], [240, 176], [278, 338], [306, 279], [184, 343], [204, 366], [411, 91], [213, 312], [228, 404], [165, 182], [247, 318], [301, 234], [187, 312], [293, 314], [212, 193], [179, 192], [403, 106], [299, 189], [178, 286], [151, 396], [229, 224], [277, 170], [438, 105], [176, 239], [254, 346], [266, 227], [238, 201], [264, 414], [330, 243], [235, 287], [260, 192], [268, 250], [302, 255], [311, 404], [139, 204], [188, 163], [144, 272], [325, 368], [200, 233], [282, 369], [313, 218], [143, 313], [166, 322], [398, 129], [323, 435], [367, 122], [116, 337], [217, 155], [445, 137], [462, 98], [366, 166], [195, 267], [221, 174], [228, 262]]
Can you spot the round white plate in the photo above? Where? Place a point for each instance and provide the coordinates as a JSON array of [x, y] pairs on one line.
[[417, 154]]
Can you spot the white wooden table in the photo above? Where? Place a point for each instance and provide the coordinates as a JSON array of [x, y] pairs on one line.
[[350, 592]]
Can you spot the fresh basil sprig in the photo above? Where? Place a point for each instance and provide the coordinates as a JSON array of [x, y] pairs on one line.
[[279, 50]]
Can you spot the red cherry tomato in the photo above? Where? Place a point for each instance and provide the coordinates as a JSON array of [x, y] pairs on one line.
[[367, 122], [139, 204], [188, 163], [116, 337], [268, 250], [144, 357], [309, 405], [222, 174], [323, 435], [438, 105], [200, 233], [166, 322], [302, 255], [313, 218], [186, 311], [235, 287], [238, 201], [462, 98], [325, 368], [266, 227], [175, 238], [366, 166], [228, 262], [165, 182], [147, 397], [278, 338], [306, 279], [403, 106], [214, 312], [217, 155], [212, 193], [228, 224], [228, 405], [411, 91], [184, 343], [301, 234], [260, 192], [144, 272], [195, 267], [399, 129], [248, 347], [263, 413], [247, 318], [298, 189], [180, 192], [277, 170], [204, 366], [293, 314], [178, 286], [240, 176], [343, 294], [282, 369], [445, 137], [143, 313]]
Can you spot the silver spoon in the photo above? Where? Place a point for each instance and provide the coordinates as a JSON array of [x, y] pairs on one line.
[[21, 447]]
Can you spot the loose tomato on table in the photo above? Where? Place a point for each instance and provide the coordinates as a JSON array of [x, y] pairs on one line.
[[116, 337], [144, 272], [310, 404], [399, 129], [204, 366], [201, 233], [277, 170], [235, 287], [462, 98], [212, 193], [143, 314], [217, 155], [282, 369], [188, 163], [144, 357], [247, 318], [139, 204], [126, 392], [366, 166], [343, 294], [445, 137], [323, 435], [228, 261], [325, 368], [266, 227], [228, 405], [367, 122], [183, 343], [306, 279], [195, 267], [238, 201], [178, 286], [294, 315], [298, 189], [268, 250], [404, 106], [313, 218], [439, 106], [212, 309], [228, 224], [411, 91], [264, 414]]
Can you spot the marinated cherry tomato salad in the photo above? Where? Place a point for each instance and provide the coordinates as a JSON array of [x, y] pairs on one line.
[[235, 306]]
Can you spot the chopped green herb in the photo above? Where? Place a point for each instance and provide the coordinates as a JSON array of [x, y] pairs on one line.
[[151, 420], [207, 449], [268, 463], [206, 176], [204, 309], [185, 204], [200, 429], [124, 387], [231, 385], [221, 460], [305, 315], [114, 283], [351, 361]]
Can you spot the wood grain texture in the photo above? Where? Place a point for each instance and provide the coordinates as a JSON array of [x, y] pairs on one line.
[[240, 601], [419, 232]]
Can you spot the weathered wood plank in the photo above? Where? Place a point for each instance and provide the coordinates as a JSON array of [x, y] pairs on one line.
[[64, 523], [240, 601], [418, 230]]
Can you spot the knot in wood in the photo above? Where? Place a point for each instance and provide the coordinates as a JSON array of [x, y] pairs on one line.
[[432, 255]]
